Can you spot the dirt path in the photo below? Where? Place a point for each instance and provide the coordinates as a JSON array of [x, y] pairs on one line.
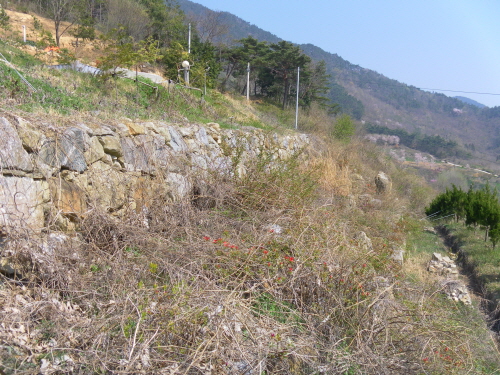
[[487, 304]]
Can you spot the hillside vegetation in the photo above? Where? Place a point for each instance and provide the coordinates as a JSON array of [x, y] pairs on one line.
[[289, 268]]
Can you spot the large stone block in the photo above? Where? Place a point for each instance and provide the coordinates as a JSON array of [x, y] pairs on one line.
[[12, 153], [112, 145], [94, 151], [106, 187], [31, 137], [66, 151], [67, 197], [21, 203], [145, 153], [176, 141]]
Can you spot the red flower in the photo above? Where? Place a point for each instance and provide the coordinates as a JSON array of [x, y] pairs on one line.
[[265, 251], [290, 269], [206, 238], [291, 259]]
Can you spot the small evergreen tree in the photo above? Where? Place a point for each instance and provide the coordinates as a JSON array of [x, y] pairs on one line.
[[4, 19]]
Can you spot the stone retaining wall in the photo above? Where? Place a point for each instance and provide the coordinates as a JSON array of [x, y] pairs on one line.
[[52, 175]]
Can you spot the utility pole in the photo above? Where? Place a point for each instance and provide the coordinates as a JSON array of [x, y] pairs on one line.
[[297, 104], [248, 82], [205, 88], [189, 39], [24, 33]]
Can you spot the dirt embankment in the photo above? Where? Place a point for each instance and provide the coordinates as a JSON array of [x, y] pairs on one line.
[[82, 51]]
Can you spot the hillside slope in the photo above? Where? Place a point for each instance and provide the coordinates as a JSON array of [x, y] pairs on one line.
[[152, 231], [372, 97]]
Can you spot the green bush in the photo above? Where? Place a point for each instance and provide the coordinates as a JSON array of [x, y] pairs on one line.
[[344, 128]]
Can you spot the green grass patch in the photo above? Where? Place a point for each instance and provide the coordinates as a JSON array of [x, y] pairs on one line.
[[281, 311], [419, 242], [481, 255]]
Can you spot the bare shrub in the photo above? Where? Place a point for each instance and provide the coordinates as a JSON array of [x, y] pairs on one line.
[[250, 274]]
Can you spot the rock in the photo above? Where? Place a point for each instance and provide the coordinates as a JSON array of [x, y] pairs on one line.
[[203, 137], [86, 129], [94, 151], [122, 129], [134, 155], [442, 264], [68, 198], [134, 128], [21, 203], [12, 153], [383, 183], [214, 126], [109, 189], [66, 151], [144, 153], [181, 187], [111, 145], [103, 131], [456, 290], [364, 241], [430, 230], [31, 137], [437, 257], [176, 141], [162, 129], [186, 132], [398, 255]]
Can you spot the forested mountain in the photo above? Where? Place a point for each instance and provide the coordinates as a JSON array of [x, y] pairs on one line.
[[369, 96], [236, 28], [470, 101]]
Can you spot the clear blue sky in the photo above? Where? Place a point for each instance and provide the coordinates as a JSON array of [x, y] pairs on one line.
[[437, 44]]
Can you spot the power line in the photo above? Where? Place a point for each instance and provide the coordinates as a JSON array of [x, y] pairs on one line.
[[462, 92]]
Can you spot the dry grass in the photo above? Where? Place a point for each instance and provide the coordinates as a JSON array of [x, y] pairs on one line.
[[260, 274], [259, 271]]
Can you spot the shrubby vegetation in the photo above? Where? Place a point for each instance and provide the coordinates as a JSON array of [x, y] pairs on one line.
[[475, 207]]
